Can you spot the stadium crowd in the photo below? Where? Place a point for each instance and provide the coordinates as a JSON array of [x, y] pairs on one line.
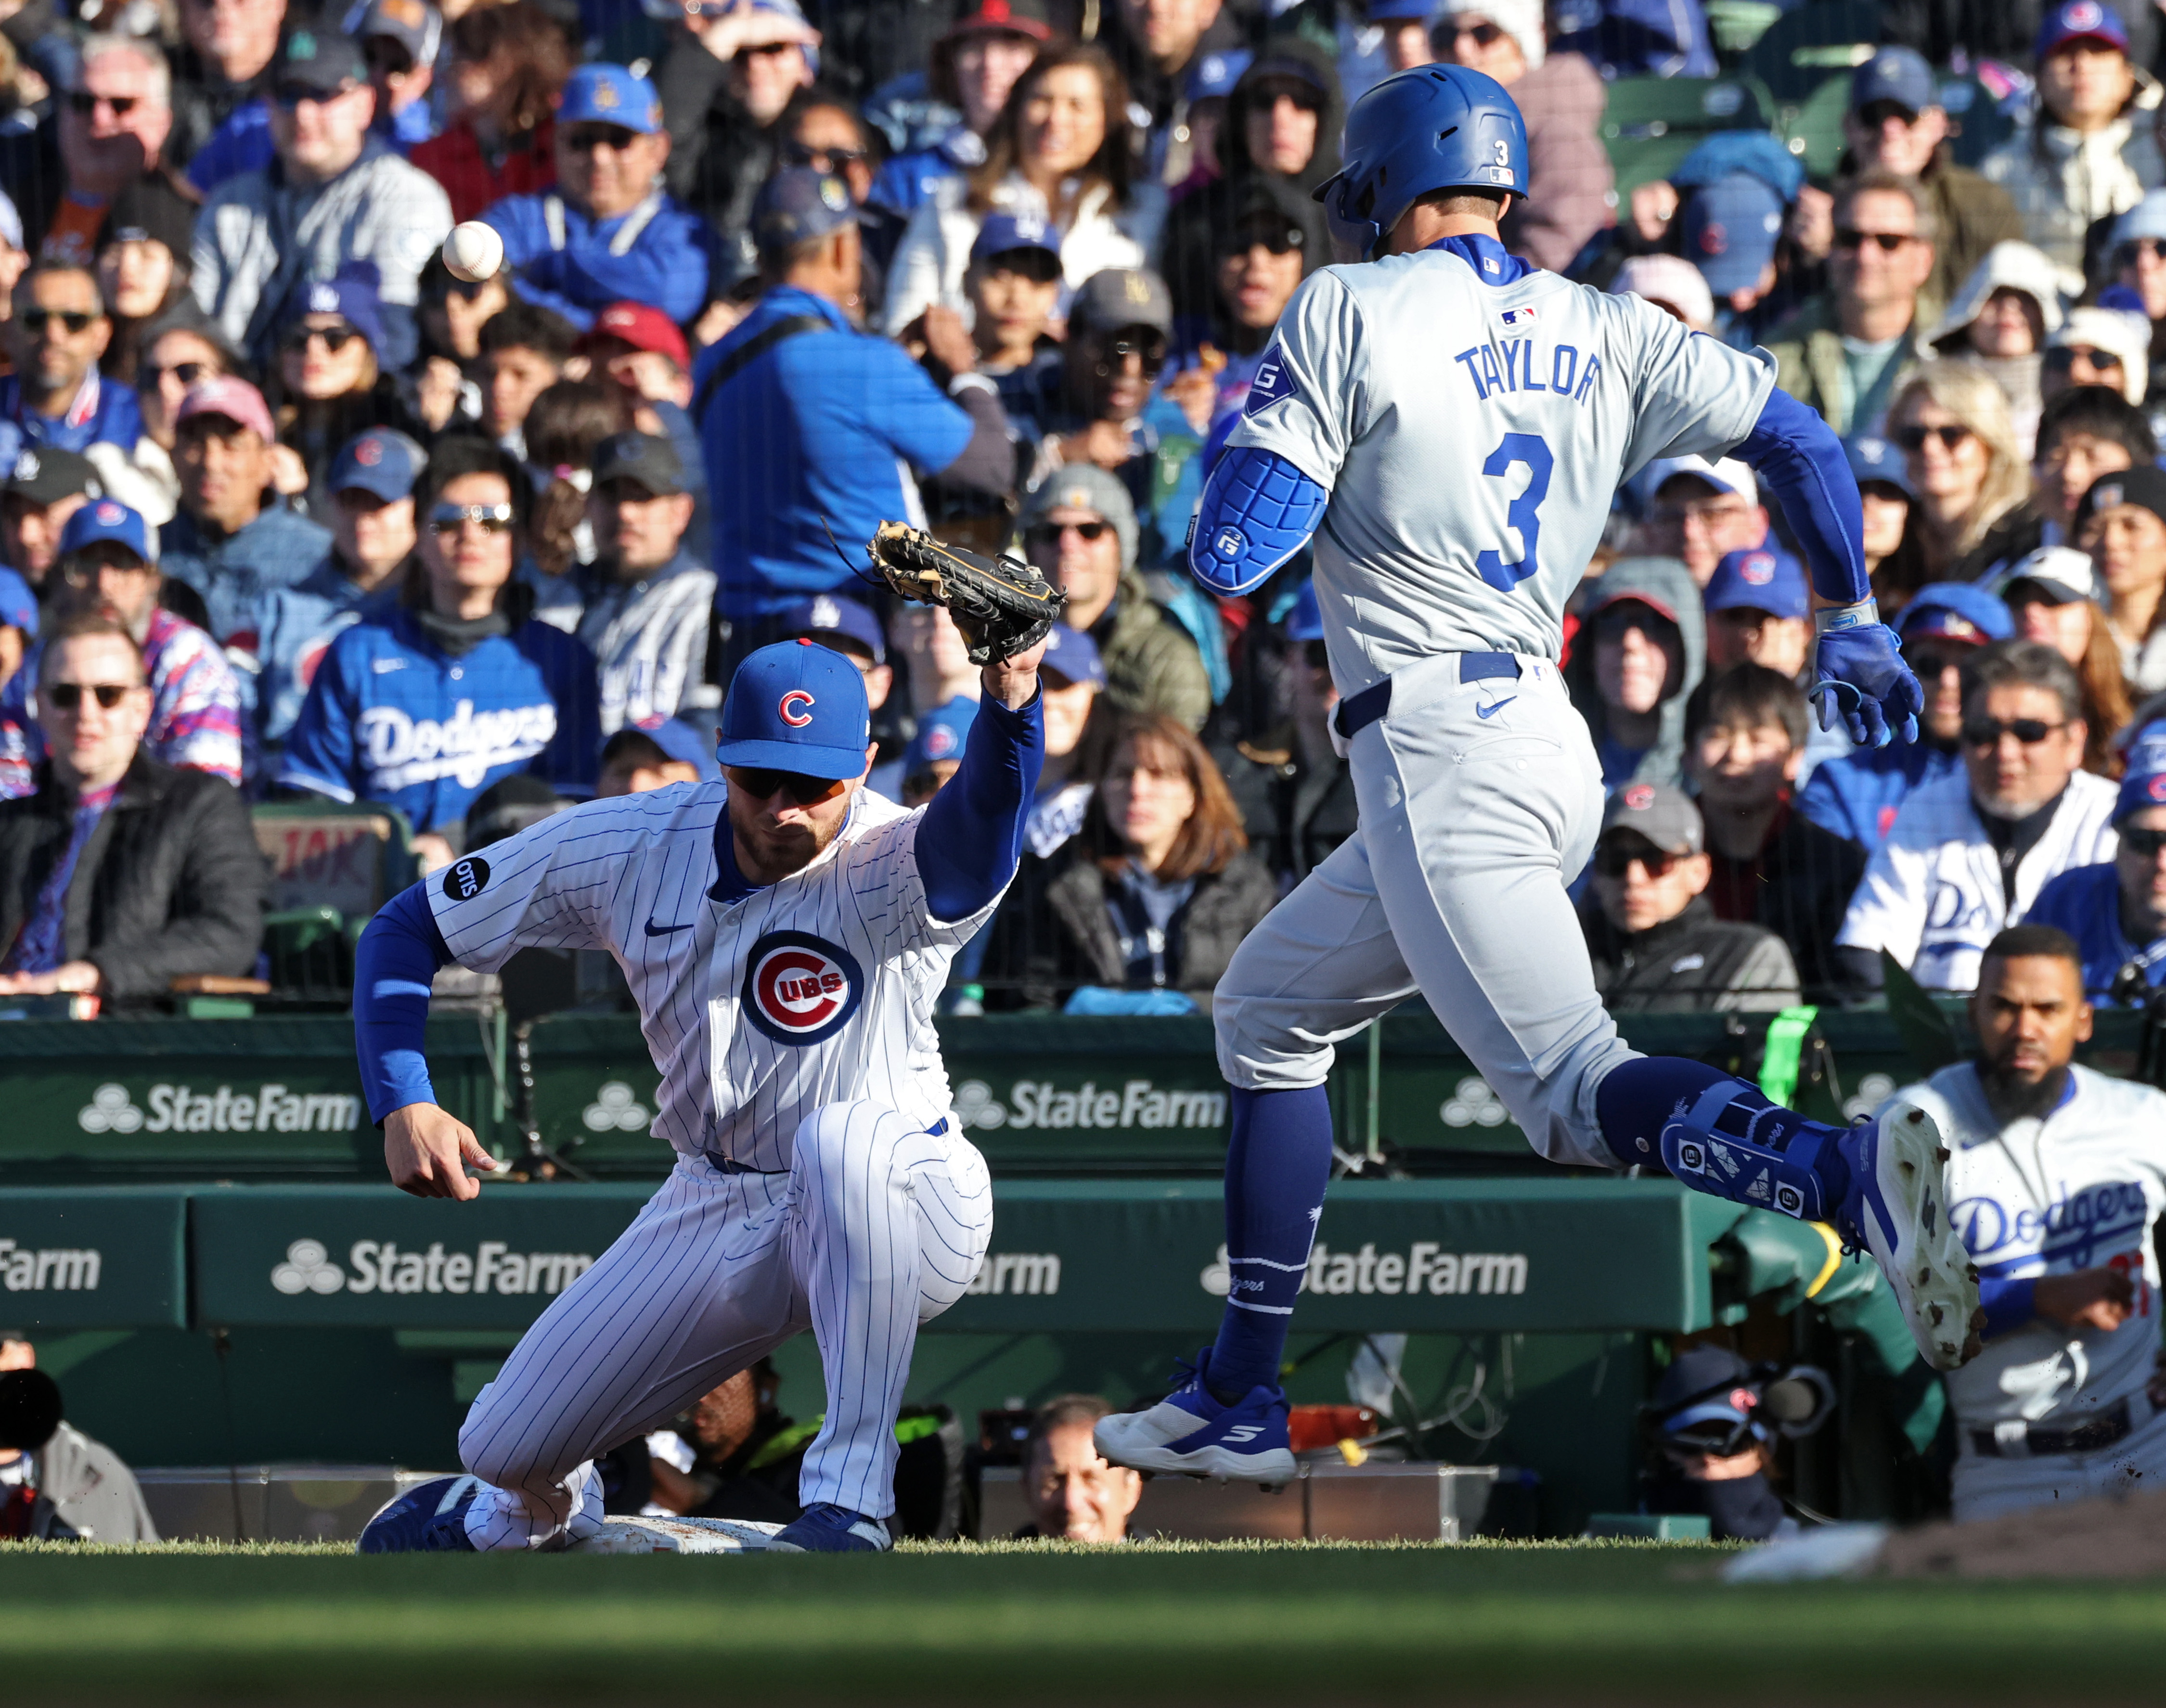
[[292, 509]]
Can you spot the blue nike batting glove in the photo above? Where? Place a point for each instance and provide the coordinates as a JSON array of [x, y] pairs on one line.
[[1861, 678]]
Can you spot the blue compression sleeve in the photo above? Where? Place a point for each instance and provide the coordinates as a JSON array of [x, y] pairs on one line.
[[397, 957], [2008, 1304], [972, 835], [1258, 510], [1800, 458]]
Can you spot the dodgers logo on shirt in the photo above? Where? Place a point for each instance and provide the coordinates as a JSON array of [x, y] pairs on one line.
[[465, 879], [1272, 382], [796, 708], [799, 989]]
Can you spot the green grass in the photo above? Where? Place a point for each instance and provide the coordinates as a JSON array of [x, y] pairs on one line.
[[1011, 1623]]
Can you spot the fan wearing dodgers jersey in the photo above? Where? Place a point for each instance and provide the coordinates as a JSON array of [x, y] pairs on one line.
[[785, 933], [1451, 426]]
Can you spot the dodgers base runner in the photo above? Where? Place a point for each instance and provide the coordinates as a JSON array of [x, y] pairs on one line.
[[1451, 425], [785, 934]]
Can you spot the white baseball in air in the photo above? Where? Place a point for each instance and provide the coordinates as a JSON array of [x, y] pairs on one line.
[[473, 251]]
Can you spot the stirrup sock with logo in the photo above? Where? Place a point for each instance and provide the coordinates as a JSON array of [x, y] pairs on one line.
[[1277, 1166], [1720, 1136]]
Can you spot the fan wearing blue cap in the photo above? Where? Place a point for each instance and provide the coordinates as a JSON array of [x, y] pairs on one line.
[[1884, 496], [2116, 911], [1759, 611], [609, 232], [2086, 82], [1896, 121], [785, 936], [370, 484], [1012, 286]]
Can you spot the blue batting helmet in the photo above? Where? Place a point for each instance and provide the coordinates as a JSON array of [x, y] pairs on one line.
[[1433, 128]]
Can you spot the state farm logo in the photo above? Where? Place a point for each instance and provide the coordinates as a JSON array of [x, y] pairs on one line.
[[799, 989]]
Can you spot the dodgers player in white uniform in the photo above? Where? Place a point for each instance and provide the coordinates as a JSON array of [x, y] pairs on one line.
[[2057, 1180], [785, 934], [1451, 425]]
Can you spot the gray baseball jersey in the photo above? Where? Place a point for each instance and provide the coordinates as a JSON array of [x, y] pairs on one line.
[[1473, 437]]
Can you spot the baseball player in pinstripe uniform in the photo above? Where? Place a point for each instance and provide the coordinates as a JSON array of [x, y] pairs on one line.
[[1451, 425], [785, 934]]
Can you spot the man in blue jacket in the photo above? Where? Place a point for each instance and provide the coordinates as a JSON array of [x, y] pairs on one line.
[[609, 232], [810, 425]]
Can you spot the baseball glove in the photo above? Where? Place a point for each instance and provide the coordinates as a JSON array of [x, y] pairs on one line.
[[1001, 605]]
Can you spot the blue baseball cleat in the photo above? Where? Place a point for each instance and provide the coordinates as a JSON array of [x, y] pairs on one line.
[[1189, 1433], [821, 1529], [430, 1518]]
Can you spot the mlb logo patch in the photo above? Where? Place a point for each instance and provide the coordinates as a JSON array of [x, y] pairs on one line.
[[1517, 317], [798, 988]]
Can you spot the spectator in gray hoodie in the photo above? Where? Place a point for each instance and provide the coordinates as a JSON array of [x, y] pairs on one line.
[[1641, 650]]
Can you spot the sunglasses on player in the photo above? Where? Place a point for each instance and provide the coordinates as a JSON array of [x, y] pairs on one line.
[[806, 791]]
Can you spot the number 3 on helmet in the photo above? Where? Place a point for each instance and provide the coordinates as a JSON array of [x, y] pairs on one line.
[[1433, 128]]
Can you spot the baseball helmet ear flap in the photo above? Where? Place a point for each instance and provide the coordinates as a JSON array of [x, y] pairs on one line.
[[1349, 214]]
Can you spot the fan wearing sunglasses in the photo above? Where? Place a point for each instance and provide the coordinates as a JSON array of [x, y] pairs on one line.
[[112, 129], [119, 873], [55, 395], [1655, 942], [1972, 852], [1080, 529], [609, 232], [331, 386], [108, 568], [426, 707]]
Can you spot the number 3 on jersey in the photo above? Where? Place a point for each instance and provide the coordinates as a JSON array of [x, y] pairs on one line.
[[1529, 449]]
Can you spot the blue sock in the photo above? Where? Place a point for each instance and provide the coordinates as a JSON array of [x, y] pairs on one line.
[[1750, 1150], [1277, 1167]]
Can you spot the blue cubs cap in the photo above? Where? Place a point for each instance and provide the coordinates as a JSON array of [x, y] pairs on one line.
[[1955, 610], [797, 706], [829, 614], [1730, 228], [941, 733], [1073, 657], [1876, 460], [1002, 233], [1215, 74], [1759, 579], [381, 461], [2144, 784], [18, 606], [796, 205], [606, 94], [2080, 20], [108, 519], [1305, 621], [351, 296], [1897, 74]]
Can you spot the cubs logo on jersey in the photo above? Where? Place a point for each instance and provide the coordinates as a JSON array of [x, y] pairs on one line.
[[799, 989]]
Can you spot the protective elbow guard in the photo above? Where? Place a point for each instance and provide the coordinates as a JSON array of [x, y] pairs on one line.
[[1258, 510]]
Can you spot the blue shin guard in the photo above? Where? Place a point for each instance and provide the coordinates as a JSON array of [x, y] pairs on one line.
[[1720, 1136], [1277, 1166]]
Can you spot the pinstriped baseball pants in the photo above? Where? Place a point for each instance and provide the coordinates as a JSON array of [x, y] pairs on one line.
[[877, 1228]]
